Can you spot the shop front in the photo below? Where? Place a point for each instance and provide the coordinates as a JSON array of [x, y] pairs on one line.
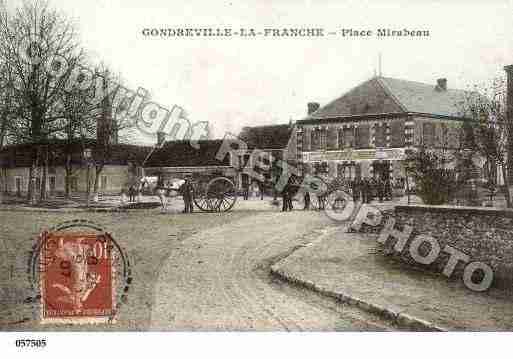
[[350, 164]]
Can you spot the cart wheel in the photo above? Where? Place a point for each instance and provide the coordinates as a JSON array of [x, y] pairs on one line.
[[219, 195], [222, 194], [200, 198]]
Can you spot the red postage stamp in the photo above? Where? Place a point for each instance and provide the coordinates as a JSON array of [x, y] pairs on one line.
[[77, 278]]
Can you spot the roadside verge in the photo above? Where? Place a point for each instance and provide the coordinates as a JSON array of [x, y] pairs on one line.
[[350, 268]]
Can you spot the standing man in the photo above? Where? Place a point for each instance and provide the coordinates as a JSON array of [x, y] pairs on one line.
[[307, 200], [364, 190], [322, 201], [131, 193], [190, 194], [290, 195], [245, 186], [285, 195], [186, 190]]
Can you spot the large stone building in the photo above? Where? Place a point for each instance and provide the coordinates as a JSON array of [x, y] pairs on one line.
[[368, 131]]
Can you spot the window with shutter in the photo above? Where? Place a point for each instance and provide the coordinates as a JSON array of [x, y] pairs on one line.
[[428, 134], [341, 143], [307, 135], [332, 138], [348, 137], [442, 135], [316, 138], [380, 135], [323, 138], [397, 133], [453, 137]]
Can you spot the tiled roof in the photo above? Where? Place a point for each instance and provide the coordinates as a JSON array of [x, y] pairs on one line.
[[425, 98], [267, 137], [390, 95], [20, 155], [183, 154]]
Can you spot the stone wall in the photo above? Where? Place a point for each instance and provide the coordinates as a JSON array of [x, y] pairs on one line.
[[484, 234]]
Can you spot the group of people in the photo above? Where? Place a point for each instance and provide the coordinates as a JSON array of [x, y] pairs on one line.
[[132, 192], [186, 189], [246, 189], [366, 189]]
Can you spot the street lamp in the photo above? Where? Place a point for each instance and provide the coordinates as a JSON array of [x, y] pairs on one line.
[[88, 155]]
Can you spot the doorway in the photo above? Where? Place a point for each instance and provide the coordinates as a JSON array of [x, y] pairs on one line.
[[381, 170]]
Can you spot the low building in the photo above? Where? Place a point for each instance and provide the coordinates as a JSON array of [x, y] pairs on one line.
[[121, 165], [368, 131], [276, 142], [177, 159]]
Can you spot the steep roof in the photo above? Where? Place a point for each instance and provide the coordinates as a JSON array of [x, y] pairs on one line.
[[274, 137], [183, 154], [426, 98], [381, 95]]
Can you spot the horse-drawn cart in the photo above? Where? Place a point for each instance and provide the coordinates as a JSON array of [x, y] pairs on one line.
[[217, 195], [209, 193]]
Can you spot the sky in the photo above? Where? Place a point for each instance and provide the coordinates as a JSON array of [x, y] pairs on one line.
[[236, 82]]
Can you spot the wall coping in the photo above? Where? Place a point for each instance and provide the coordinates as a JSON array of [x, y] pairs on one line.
[[463, 210]]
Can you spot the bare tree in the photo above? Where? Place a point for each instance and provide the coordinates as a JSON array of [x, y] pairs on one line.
[[77, 127], [111, 126], [486, 109], [5, 116], [31, 38]]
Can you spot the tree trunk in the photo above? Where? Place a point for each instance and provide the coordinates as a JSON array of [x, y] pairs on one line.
[[505, 178], [67, 185], [31, 191], [31, 195], [43, 193], [97, 173], [67, 176], [88, 184], [42, 189]]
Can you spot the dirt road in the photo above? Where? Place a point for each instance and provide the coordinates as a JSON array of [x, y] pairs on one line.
[[218, 279]]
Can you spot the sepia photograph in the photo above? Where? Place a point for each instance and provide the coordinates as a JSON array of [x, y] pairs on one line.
[[199, 170]]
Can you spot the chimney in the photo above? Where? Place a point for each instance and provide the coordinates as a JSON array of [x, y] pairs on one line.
[[441, 84], [161, 138], [312, 107], [509, 119]]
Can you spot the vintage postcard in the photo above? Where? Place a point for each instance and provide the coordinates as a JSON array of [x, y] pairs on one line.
[[255, 166]]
